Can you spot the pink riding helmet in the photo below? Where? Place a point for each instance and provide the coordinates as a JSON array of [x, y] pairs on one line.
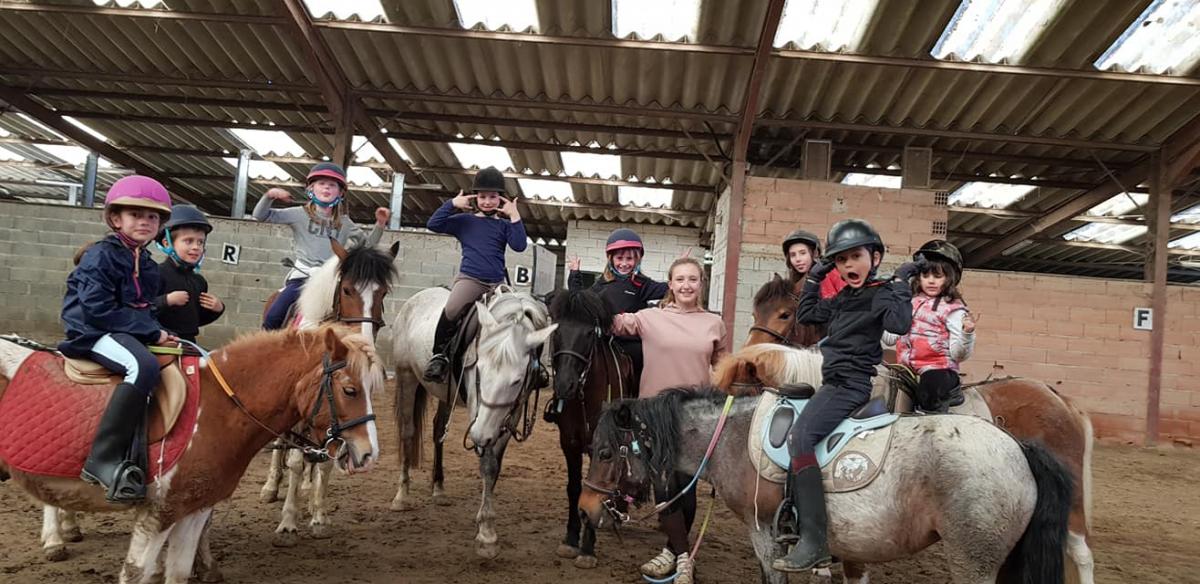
[[139, 191]]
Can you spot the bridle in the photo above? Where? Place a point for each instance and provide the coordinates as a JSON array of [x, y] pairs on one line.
[[784, 338], [339, 317], [596, 337]]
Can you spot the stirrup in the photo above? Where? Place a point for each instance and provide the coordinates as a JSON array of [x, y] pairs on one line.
[[129, 484], [786, 530], [553, 410]]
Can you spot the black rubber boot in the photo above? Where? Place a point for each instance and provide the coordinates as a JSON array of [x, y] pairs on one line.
[[439, 365], [109, 463], [808, 497]]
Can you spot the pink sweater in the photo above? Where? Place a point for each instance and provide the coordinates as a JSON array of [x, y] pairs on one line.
[[680, 347]]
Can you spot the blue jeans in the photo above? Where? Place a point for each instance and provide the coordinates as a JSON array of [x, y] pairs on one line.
[[279, 309]]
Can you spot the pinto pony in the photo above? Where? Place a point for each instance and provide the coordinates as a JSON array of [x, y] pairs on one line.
[[589, 365], [1028, 409], [278, 379]]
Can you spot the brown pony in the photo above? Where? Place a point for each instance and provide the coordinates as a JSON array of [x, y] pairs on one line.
[[278, 378], [587, 363], [775, 316], [1028, 409]]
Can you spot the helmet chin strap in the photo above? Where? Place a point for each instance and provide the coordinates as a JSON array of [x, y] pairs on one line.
[[312, 198], [169, 251]]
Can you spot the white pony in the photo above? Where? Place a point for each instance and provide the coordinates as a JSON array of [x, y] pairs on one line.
[[494, 386]]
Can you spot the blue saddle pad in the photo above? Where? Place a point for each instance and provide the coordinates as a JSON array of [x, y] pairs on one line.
[[872, 416]]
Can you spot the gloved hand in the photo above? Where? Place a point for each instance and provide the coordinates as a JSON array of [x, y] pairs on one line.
[[908, 270], [819, 270]]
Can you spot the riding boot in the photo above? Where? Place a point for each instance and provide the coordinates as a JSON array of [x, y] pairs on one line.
[[954, 397], [440, 363], [109, 462], [808, 497]]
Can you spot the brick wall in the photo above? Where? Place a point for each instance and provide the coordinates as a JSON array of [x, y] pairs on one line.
[[37, 243], [1077, 335], [586, 239]]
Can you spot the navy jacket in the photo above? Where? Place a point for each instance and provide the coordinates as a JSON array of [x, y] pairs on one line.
[[185, 320], [482, 238], [102, 298], [624, 295], [857, 318]]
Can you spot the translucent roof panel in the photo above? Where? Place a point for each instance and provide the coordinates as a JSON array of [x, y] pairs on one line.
[[871, 180], [990, 195], [482, 156], [262, 169], [400, 149], [515, 14], [995, 31], [366, 10], [1105, 233], [644, 196], [48, 129], [1191, 215], [131, 3], [826, 25], [266, 142], [9, 155], [1188, 242], [361, 175], [588, 164], [673, 19], [86, 128], [547, 189], [1164, 39], [1119, 205], [73, 155]]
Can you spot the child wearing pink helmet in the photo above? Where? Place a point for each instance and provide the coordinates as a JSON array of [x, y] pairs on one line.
[[109, 318]]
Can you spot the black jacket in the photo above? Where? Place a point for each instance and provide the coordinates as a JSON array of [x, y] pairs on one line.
[[185, 320], [625, 294], [857, 318], [103, 297]]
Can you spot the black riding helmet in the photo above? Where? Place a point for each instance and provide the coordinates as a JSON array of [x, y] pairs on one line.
[[851, 233], [185, 216], [940, 249], [489, 180], [802, 236]]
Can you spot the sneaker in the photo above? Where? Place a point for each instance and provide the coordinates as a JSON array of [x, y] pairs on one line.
[[660, 566], [683, 569]]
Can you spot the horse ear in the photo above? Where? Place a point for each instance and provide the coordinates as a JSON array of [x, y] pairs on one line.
[[338, 250], [623, 416], [394, 249], [777, 277], [486, 320], [334, 345], [537, 338]]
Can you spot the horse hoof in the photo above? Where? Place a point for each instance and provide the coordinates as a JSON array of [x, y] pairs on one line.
[[268, 496], [56, 553], [73, 535], [585, 562], [210, 576], [321, 531], [441, 500], [567, 551], [487, 551], [402, 505], [285, 539]]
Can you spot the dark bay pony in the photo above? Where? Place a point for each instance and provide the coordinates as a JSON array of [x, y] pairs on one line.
[[1027, 408], [588, 364], [279, 378]]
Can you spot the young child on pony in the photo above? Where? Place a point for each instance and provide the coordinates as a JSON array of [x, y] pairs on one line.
[[625, 287], [943, 330], [108, 315], [322, 218], [800, 252], [484, 222], [185, 304], [857, 318]]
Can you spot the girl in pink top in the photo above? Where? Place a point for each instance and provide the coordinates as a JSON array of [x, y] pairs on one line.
[[681, 341]]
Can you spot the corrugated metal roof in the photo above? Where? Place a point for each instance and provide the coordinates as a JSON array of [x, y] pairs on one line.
[[424, 78]]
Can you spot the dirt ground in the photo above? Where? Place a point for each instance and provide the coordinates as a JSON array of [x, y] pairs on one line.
[[1147, 517]]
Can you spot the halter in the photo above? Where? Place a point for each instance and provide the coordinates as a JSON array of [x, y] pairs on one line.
[[313, 451], [339, 317]]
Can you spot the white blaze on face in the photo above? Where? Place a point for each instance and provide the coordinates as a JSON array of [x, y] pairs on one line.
[[367, 293]]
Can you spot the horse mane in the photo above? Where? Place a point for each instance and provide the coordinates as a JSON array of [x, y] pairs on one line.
[[772, 365], [582, 307], [775, 289], [515, 311], [364, 265], [360, 356], [657, 420]]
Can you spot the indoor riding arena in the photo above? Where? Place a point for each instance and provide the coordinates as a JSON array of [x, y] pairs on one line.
[[1055, 144]]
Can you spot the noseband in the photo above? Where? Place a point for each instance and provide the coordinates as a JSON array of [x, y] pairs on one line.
[[339, 317]]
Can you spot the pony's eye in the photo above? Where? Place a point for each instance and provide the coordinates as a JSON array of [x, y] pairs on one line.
[[605, 454], [347, 291], [350, 391], [785, 315]]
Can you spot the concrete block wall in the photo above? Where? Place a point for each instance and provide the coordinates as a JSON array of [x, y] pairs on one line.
[[37, 243], [586, 239], [1076, 334]]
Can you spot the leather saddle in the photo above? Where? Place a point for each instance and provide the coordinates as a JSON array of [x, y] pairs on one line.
[[169, 396]]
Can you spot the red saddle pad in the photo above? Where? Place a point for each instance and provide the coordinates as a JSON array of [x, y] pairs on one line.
[[47, 422]]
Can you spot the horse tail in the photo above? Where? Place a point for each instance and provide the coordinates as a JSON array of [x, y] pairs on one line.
[[410, 425], [1038, 555]]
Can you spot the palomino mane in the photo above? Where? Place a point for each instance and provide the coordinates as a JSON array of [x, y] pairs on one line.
[[774, 365], [517, 313], [364, 265], [582, 308]]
